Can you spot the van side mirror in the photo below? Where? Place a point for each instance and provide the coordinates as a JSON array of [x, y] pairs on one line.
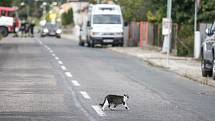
[[125, 23], [88, 24]]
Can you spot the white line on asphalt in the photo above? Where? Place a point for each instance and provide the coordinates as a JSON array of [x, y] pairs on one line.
[[98, 110], [53, 55], [63, 68], [85, 95], [51, 51], [60, 62], [57, 58], [75, 83], [68, 74]]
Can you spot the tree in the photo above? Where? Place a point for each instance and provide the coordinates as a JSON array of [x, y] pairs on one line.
[[207, 11], [133, 9], [67, 17]]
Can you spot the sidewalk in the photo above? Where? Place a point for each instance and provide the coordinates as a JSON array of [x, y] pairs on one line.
[[186, 67]]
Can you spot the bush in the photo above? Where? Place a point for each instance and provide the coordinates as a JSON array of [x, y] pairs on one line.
[[185, 40], [67, 17]]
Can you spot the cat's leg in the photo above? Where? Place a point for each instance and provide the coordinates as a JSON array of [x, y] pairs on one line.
[[105, 104], [126, 106]]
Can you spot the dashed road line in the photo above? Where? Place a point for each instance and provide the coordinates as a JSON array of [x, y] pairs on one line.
[[75, 83], [51, 51], [60, 62], [57, 58], [53, 55], [85, 95], [98, 110], [68, 74], [63, 68]]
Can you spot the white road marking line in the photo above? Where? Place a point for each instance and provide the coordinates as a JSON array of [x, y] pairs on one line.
[[98, 110], [68, 74], [85, 95], [63, 68], [53, 55], [57, 58], [51, 51], [60, 62], [75, 83]]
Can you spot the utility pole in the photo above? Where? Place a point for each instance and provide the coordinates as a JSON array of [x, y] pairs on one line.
[[197, 35], [167, 38]]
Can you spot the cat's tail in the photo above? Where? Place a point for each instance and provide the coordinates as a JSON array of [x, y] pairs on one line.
[[101, 104]]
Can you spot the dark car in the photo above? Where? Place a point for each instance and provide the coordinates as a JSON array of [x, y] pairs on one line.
[[207, 53], [51, 30]]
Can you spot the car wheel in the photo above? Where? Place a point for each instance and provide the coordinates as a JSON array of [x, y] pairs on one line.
[[204, 72], [81, 43], [210, 73], [4, 31]]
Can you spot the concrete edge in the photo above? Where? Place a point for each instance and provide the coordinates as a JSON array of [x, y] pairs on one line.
[[203, 81]]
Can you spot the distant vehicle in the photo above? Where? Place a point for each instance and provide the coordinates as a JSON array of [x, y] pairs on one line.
[[83, 28], [7, 17], [105, 25], [50, 29], [208, 53]]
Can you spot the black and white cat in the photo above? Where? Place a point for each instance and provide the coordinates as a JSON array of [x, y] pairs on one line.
[[115, 100]]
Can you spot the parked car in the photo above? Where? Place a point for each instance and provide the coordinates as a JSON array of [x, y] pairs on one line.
[[207, 53], [51, 30]]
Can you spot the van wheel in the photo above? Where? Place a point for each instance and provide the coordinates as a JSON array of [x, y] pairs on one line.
[[81, 43], [4, 31], [92, 44]]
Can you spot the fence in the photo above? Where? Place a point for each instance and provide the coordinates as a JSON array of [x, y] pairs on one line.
[[147, 35]]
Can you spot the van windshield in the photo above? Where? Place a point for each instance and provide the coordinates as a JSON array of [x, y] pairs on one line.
[[106, 19]]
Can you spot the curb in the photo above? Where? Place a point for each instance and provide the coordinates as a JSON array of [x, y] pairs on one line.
[[204, 81]]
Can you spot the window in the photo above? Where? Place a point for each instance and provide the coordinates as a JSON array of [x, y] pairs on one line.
[[107, 19]]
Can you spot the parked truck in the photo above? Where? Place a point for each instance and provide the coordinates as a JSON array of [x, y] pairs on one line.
[[8, 20]]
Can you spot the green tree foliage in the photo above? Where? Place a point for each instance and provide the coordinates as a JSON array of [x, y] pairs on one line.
[[6, 3], [207, 11], [133, 9], [67, 17]]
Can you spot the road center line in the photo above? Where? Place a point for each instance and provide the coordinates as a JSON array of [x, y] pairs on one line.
[[57, 58], [85, 95], [60, 62], [68, 74], [98, 110], [63, 68], [53, 55], [75, 83]]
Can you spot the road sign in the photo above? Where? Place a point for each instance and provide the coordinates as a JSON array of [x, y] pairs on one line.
[[166, 26]]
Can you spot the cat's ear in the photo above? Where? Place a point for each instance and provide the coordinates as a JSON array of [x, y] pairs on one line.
[[126, 95]]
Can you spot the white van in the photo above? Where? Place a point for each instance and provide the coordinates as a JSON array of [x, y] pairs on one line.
[[105, 25]]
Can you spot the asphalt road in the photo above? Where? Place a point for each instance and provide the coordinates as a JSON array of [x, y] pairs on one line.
[[49, 79]]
